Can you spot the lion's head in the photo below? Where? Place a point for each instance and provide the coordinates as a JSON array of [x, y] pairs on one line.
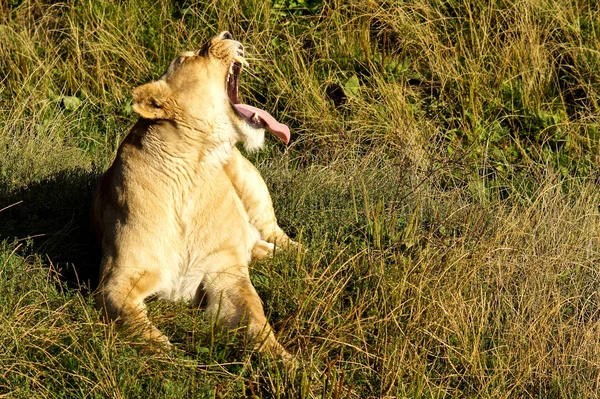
[[199, 90]]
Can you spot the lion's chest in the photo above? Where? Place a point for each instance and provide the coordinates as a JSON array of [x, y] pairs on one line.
[[210, 221]]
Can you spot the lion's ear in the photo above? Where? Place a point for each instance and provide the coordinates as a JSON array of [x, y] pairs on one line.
[[151, 101]]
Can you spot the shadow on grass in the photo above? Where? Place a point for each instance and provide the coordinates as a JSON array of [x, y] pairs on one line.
[[52, 217]]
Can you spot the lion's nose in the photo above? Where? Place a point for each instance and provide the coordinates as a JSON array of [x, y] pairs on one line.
[[226, 35]]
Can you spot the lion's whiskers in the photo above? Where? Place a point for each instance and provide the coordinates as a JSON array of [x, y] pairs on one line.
[[256, 59], [253, 75]]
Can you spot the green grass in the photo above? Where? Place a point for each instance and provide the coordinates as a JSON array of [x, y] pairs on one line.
[[442, 176]]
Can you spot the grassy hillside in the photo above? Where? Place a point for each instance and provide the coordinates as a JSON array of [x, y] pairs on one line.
[[443, 176]]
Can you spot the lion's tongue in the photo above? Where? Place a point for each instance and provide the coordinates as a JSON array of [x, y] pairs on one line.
[[279, 129]]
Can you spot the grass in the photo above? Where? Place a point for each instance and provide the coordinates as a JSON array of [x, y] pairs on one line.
[[443, 176]]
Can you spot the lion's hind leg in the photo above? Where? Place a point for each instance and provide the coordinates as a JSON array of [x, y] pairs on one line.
[[122, 300], [232, 301]]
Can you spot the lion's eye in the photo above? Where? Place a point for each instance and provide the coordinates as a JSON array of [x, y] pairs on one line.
[[203, 52]]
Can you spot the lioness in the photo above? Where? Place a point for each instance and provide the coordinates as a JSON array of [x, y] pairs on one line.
[[180, 213]]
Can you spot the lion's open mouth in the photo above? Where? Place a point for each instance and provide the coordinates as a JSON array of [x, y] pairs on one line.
[[255, 117]]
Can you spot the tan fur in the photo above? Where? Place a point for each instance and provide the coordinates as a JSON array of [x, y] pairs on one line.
[[180, 213]]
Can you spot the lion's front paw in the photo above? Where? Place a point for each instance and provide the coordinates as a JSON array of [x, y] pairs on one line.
[[262, 250]]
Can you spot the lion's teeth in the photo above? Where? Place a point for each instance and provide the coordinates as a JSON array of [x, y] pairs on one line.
[[255, 117], [241, 60]]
